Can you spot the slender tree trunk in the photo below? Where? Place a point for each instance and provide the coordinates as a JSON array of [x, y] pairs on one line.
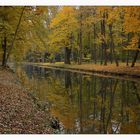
[[102, 47], [103, 31], [89, 41], [67, 55], [127, 60], [16, 31], [123, 55], [104, 43], [136, 55], [111, 54], [75, 54], [112, 45], [80, 40], [101, 56], [4, 46], [135, 58], [94, 43]]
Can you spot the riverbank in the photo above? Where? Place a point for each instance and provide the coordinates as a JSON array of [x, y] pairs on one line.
[[111, 69], [18, 112]]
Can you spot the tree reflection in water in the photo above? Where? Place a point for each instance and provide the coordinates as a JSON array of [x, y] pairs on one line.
[[86, 103]]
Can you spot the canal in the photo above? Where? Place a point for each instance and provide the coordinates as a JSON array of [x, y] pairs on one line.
[[86, 103]]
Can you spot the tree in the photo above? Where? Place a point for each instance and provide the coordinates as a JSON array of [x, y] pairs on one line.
[[79, 34], [112, 22], [6, 33], [131, 25], [63, 27]]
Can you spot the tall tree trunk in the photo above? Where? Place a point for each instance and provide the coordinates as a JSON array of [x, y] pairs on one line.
[[112, 45], [75, 53], [94, 43], [103, 33], [127, 59], [102, 47], [103, 44], [16, 31], [123, 55], [80, 40], [67, 55], [4, 46], [136, 55], [111, 54], [89, 41]]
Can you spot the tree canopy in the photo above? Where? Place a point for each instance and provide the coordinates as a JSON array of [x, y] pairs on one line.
[[74, 33]]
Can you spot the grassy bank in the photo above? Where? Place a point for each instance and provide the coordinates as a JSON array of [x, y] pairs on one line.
[[110, 69], [18, 111]]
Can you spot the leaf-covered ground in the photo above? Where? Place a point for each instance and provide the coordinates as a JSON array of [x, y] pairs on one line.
[[18, 112]]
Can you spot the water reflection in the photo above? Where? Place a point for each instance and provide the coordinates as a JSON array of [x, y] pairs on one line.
[[86, 103]]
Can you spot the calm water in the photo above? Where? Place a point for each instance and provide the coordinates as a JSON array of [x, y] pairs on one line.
[[86, 103]]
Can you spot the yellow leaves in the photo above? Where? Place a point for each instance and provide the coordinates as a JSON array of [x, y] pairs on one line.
[[132, 19], [102, 9], [40, 10], [132, 24], [62, 28], [66, 15], [113, 15], [133, 45], [135, 40], [65, 20], [89, 21]]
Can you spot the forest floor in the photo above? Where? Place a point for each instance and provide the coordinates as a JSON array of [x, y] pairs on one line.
[[18, 112], [110, 69]]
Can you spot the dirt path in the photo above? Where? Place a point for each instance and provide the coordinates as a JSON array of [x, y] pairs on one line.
[[18, 112]]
